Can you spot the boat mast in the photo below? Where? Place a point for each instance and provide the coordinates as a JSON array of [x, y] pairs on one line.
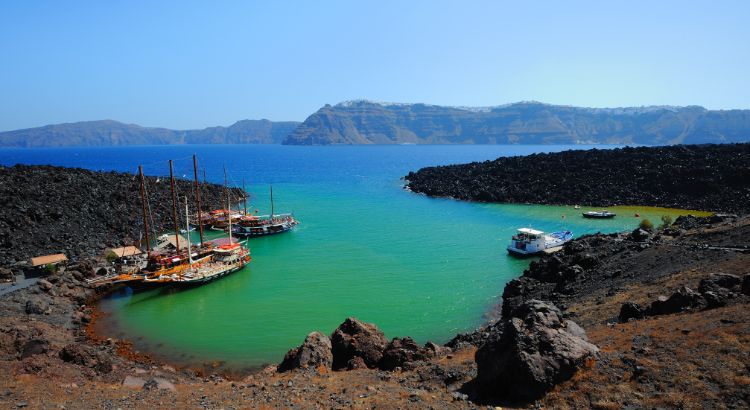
[[197, 199], [174, 209], [226, 190], [271, 188], [244, 194], [187, 227], [145, 215], [229, 206]]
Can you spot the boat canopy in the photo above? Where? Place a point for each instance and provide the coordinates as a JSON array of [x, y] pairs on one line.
[[48, 259], [530, 231], [125, 251], [223, 241]]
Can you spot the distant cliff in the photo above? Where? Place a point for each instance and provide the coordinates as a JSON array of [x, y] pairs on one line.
[[365, 122], [108, 132]]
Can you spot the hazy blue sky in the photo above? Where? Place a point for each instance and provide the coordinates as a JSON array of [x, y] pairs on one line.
[[195, 64]]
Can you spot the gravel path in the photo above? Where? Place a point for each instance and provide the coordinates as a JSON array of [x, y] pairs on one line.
[[21, 282]]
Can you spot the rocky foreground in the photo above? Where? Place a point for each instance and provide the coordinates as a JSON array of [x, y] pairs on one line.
[[80, 213], [705, 177]]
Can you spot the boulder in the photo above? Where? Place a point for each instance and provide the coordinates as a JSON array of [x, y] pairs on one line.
[[717, 281], [640, 235], [86, 356], [314, 352], [402, 351], [355, 338], [36, 306], [45, 285], [6, 275], [716, 299], [435, 349], [536, 350], [158, 383], [516, 292], [33, 347], [356, 363], [133, 382], [631, 310], [683, 299]]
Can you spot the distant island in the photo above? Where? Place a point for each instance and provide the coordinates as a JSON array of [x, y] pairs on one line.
[[108, 132], [367, 122]]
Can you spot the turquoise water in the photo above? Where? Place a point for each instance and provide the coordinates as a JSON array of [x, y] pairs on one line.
[[417, 266]]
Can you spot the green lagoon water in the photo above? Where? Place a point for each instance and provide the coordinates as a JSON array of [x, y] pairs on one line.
[[416, 266]]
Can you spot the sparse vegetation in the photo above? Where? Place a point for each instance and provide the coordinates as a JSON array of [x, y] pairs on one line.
[[666, 222], [111, 257], [646, 225]]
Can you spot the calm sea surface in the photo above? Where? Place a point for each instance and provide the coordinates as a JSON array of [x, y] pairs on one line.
[[416, 266]]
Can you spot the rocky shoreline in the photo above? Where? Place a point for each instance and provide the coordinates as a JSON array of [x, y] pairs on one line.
[[650, 340], [706, 177]]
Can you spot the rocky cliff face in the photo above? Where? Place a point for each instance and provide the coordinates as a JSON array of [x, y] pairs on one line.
[[108, 132], [365, 122]]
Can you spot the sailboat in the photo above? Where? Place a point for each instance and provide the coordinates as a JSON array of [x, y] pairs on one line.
[[251, 226], [225, 259]]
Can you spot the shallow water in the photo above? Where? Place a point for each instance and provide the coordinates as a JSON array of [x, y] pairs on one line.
[[416, 266]]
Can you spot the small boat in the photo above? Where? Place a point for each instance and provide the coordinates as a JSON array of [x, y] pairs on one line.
[[528, 241], [604, 214]]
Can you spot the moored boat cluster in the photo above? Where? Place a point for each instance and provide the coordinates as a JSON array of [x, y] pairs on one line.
[[174, 260]]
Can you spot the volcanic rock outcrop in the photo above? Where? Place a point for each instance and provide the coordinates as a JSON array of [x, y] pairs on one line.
[[357, 345], [354, 338], [536, 350], [314, 352], [705, 177]]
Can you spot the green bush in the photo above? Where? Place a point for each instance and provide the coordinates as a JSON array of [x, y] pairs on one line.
[[646, 225], [666, 222], [111, 257]]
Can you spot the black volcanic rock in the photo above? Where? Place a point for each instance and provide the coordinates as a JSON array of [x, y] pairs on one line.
[[682, 299], [80, 213], [108, 132], [631, 310], [705, 177], [717, 281], [366, 122]]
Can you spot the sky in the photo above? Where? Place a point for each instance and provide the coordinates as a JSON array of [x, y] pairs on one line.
[[185, 64]]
